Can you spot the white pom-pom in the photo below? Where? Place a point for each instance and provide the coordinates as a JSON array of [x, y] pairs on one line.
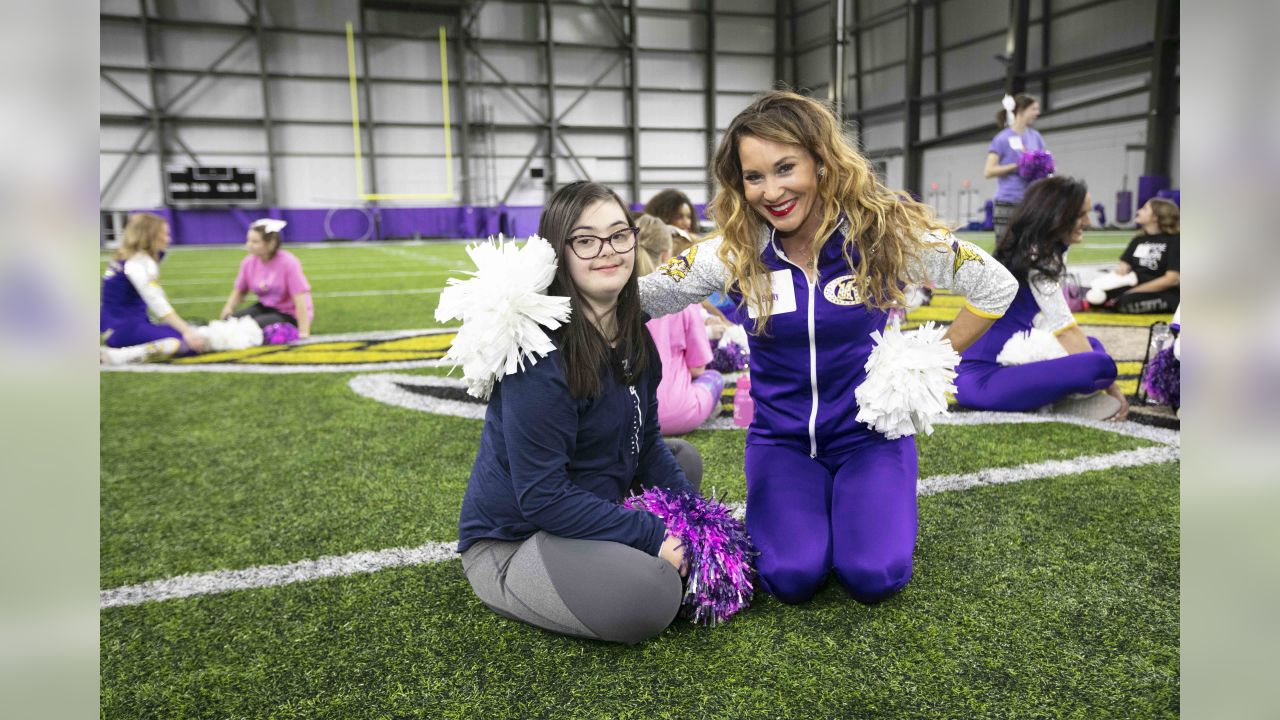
[[231, 334], [734, 334], [908, 378], [503, 310], [1030, 346]]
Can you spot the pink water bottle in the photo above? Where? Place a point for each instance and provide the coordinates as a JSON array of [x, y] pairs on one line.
[[744, 408]]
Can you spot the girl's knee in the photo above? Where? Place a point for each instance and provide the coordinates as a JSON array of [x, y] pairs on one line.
[[870, 582]]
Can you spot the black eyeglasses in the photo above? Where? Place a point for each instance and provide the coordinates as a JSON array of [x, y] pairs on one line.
[[589, 247]]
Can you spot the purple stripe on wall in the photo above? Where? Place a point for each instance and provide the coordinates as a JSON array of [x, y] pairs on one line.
[[204, 226]]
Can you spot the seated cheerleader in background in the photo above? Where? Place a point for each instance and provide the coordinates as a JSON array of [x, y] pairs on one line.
[[131, 287], [689, 393], [542, 536], [275, 276], [1036, 355], [1146, 278]]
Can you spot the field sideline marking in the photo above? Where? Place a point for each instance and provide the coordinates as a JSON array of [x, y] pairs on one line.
[[367, 561], [336, 294]]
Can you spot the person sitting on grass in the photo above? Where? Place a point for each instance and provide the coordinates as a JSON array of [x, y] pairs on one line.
[[689, 393], [1146, 279], [131, 287], [542, 536], [275, 276], [1073, 375]]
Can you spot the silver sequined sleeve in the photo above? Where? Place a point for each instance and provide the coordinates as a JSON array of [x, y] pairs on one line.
[[684, 279], [1055, 315], [968, 270]]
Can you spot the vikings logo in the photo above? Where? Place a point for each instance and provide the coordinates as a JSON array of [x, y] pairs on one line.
[[841, 291], [965, 252], [678, 267]]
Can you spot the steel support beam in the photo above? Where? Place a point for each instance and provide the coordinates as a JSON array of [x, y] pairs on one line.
[[1163, 107], [633, 109], [464, 108], [937, 65], [839, 43], [133, 152], [1015, 47], [156, 112], [368, 106], [709, 126], [779, 25], [857, 66], [912, 165], [267, 124], [1046, 54], [548, 54]]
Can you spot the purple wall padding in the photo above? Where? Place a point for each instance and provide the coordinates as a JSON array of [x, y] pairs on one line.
[[204, 226], [1173, 194], [1148, 186], [199, 226]]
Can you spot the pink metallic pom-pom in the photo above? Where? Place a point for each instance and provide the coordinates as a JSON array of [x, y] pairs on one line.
[[716, 546], [280, 333]]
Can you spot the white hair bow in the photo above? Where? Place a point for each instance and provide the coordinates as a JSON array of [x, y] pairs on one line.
[[1009, 105], [269, 225]]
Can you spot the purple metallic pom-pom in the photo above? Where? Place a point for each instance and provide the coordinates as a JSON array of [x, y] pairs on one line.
[[1163, 378], [280, 333], [729, 357], [717, 549], [1035, 165]]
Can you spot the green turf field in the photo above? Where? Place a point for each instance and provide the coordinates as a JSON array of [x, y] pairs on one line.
[[1052, 597]]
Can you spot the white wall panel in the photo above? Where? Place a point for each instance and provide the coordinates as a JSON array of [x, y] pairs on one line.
[[512, 22], [728, 106], [121, 45], [581, 24], [221, 140], [744, 34], [316, 182], [750, 74], [671, 33], [138, 187], [600, 107], [407, 59], [315, 54], [397, 102], [197, 48], [212, 97], [597, 144], [313, 14], [312, 100], [113, 101], [672, 110], [671, 148], [671, 71], [227, 12], [582, 66]]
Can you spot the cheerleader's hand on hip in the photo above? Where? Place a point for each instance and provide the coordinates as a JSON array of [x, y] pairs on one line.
[[673, 552]]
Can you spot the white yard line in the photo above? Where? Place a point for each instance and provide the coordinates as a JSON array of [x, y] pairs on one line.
[[222, 581], [335, 294], [315, 278]]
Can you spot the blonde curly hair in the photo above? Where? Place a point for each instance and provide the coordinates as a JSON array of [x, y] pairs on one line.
[[885, 226]]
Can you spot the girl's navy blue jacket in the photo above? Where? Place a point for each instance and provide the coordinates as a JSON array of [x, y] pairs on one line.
[[550, 462]]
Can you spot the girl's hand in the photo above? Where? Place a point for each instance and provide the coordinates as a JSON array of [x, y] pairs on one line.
[[224, 314], [673, 552], [194, 340]]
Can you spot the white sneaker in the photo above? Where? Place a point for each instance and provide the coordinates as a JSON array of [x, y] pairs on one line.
[[1094, 406]]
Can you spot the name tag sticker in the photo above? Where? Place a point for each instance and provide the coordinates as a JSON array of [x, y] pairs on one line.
[[784, 295], [1015, 142]]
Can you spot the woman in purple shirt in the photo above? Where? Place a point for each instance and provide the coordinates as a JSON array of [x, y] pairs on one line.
[[1016, 137]]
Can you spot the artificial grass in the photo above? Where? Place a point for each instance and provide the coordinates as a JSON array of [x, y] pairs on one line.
[[214, 471], [1050, 599]]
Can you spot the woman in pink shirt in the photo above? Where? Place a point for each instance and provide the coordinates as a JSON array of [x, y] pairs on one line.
[[275, 276], [688, 393]]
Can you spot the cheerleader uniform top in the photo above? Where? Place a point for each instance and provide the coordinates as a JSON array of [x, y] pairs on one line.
[[129, 288], [805, 369], [548, 461], [1039, 304]]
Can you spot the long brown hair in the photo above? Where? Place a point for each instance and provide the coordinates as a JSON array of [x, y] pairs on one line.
[[884, 226], [584, 351], [141, 234], [1041, 227]]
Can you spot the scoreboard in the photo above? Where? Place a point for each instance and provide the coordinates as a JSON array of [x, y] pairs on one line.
[[212, 185]]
